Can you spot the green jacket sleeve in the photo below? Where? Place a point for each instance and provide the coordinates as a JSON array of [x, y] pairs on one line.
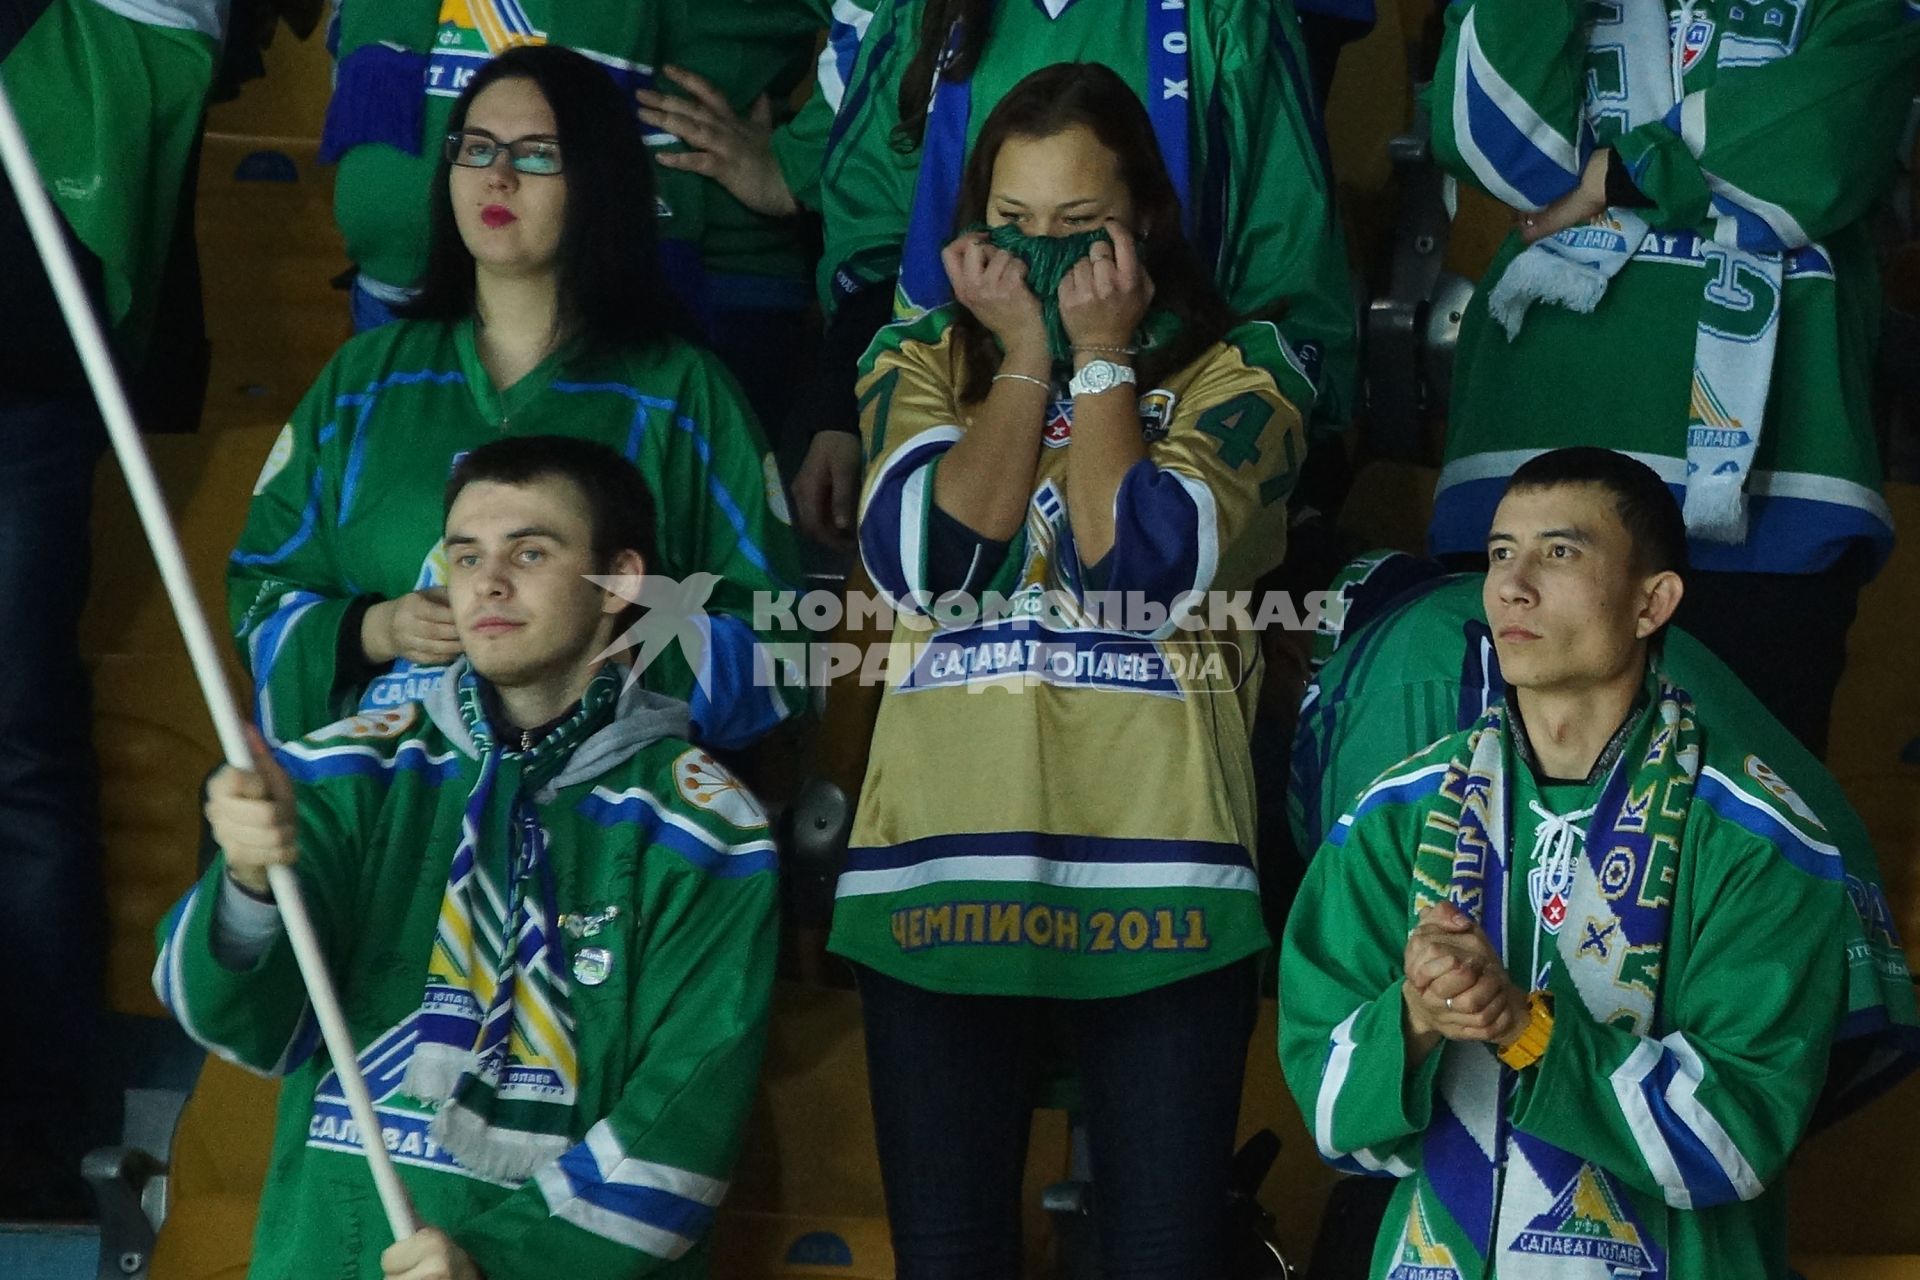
[[729, 528], [1342, 1032], [800, 145], [641, 1188], [867, 185], [259, 1017], [1507, 98], [1281, 244], [1764, 136], [285, 595], [1709, 1112]]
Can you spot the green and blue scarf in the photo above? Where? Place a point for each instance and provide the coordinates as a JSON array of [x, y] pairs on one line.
[[496, 1035], [1465, 857]]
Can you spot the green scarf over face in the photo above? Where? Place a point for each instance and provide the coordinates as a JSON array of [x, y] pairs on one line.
[[1048, 260]]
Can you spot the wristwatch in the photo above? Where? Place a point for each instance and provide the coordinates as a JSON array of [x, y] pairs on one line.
[[1533, 1041], [1099, 375]]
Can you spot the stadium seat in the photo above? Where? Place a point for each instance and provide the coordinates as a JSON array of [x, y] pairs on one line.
[[269, 252], [152, 732]]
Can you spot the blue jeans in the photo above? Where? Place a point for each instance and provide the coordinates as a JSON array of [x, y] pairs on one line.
[[953, 1079], [52, 911]]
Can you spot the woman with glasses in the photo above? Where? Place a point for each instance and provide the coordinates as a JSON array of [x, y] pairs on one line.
[[1055, 832], [543, 310]]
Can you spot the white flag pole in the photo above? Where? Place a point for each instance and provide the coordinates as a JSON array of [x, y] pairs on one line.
[[227, 723]]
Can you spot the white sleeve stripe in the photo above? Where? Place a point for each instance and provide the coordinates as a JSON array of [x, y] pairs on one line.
[[617, 1168], [681, 822], [1693, 123], [169, 978], [608, 1225], [1471, 66], [1705, 1125], [915, 494], [1627, 1080], [1786, 824], [1339, 1064]]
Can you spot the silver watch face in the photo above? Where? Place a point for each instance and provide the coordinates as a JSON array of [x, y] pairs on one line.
[[1097, 376]]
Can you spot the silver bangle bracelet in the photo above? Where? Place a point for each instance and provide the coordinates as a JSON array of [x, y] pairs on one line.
[[1118, 351], [1022, 377]]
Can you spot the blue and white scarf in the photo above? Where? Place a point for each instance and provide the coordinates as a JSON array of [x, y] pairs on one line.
[[1739, 324]]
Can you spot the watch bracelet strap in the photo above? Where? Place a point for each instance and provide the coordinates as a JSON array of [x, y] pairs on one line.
[[1532, 1044]]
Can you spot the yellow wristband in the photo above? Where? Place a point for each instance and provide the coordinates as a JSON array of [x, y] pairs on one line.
[[1532, 1043]]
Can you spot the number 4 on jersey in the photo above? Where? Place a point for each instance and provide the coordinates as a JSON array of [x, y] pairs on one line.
[[1237, 424]]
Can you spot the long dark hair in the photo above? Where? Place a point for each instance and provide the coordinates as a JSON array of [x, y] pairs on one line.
[[1048, 102], [612, 291], [916, 83]]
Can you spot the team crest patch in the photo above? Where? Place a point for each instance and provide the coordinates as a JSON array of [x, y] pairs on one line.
[[776, 491], [390, 723], [277, 459], [661, 209], [1059, 428], [1587, 1221], [1156, 414], [705, 784], [1698, 39], [1777, 787], [1420, 1256]]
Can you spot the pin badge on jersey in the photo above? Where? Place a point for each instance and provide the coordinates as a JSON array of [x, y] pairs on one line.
[[592, 965]]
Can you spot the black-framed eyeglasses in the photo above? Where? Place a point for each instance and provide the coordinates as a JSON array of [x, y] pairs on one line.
[[537, 153]]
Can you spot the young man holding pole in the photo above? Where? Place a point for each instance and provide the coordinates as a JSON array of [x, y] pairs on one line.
[[551, 921]]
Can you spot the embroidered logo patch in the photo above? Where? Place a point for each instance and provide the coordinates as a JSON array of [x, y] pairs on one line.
[[1699, 38], [1586, 1221], [1156, 414], [374, 724], [277, 459], [705, 784], [1777, 787], [1059, 428]]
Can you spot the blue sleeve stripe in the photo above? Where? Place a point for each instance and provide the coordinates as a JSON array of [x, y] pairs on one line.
[[743, 536], [270, 636], [1405, 788], [747, 547], [1515, 153], [309, 517], [1051, 846], [1812, 856], [707, 852], [1707, 1183], [1165, 540], [890, 534], [735, 699]]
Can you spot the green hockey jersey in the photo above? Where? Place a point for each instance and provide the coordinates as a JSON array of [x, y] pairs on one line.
[[429, 49], [349, 504], [110, 95], [1767, 89], [1097, 840], [1425, 667], [1657, 1153], [665, 880], [1235, 104]]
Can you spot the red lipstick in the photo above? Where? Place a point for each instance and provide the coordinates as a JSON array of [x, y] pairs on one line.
[[497, 215]]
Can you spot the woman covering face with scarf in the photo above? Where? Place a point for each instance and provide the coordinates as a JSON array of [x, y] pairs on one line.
[[1055, 829]]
